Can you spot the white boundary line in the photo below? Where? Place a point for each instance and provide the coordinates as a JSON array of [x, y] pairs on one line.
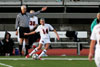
[[45, 59], [5, 65]]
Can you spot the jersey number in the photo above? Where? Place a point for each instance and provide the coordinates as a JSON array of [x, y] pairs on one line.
[[45, 31], [32, 23]]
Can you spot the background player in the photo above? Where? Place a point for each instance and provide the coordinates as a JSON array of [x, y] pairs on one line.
[[33, 23], [45, 38], [95, 39]]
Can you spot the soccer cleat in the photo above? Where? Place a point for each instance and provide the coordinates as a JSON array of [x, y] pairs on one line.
[[27, 56], [39, 58]]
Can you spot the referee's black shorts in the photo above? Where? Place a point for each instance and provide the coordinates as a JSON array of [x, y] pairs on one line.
[[23, 30]]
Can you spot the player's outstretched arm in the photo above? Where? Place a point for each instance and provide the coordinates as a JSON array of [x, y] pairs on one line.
[[44, 8], [38, 12], [30, 33], [56, 34], [91, 50]]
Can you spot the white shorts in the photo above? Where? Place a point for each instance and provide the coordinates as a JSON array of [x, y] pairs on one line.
[[44, 41], [97, 57]]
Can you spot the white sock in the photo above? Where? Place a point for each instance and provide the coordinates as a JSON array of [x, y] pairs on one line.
[[35, 50], [43, 52]]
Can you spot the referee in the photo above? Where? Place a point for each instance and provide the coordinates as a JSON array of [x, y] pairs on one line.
[[22, 21]]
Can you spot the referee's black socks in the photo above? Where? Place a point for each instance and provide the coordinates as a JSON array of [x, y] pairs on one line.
[[20, 49], [26, 46]]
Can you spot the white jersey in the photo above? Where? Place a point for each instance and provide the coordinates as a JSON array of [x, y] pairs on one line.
[[96, 35], [33, 21], [44, 31]]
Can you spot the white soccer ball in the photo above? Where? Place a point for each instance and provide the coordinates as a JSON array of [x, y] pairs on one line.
[[35, 56]]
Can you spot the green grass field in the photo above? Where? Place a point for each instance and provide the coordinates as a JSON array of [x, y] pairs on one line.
[[17, 61]]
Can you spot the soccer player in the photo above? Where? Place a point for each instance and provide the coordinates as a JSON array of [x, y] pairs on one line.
[[95, 40], [22, 21], [45, 37], [33, 23]]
